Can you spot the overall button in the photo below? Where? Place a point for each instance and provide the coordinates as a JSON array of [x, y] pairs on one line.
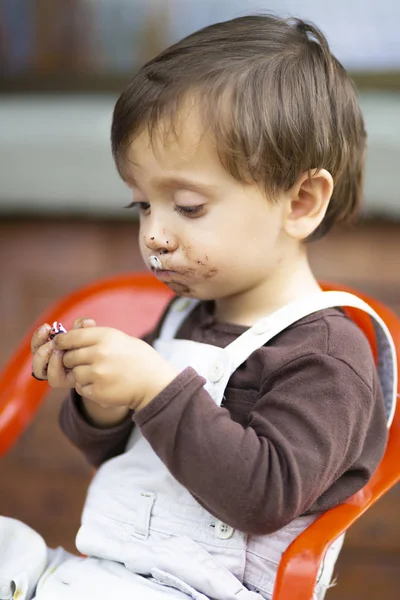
[[216, 371], [6, 592], [223, 531], [262, 326]]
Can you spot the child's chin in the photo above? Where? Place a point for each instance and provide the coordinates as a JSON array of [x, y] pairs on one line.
[[181, 289]]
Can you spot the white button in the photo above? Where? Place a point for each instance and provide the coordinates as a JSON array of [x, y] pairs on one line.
[[223, 531], [216, 371], [262, 326], [181, 304], [6, 591]]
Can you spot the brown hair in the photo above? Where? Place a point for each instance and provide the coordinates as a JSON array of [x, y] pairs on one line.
[[291, 105]]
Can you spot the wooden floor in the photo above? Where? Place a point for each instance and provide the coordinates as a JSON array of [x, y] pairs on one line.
[[44, 479]]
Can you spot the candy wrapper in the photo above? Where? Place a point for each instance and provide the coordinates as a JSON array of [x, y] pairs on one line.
[[56, 328]]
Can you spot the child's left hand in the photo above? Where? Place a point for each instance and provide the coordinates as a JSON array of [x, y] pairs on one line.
[[112, 368]]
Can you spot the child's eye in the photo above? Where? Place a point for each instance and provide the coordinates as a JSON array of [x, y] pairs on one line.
[[190, 211], [141, 206]]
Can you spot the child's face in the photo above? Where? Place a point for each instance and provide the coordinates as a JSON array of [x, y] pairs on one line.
[[214, 236]]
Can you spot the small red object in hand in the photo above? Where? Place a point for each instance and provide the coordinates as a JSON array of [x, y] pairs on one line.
[[56, 329]]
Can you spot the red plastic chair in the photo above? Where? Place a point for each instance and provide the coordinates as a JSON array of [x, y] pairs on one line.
[[298, 569], [133, 303]]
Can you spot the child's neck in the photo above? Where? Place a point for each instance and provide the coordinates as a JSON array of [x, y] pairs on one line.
[[295, 280]]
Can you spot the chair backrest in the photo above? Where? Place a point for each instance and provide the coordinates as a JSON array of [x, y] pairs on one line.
[[300, 563], [131, 303]]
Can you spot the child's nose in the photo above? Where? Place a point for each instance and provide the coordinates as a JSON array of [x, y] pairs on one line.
[[162, 243]]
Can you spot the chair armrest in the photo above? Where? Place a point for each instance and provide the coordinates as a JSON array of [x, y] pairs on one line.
[[298, 569], [300, 563]]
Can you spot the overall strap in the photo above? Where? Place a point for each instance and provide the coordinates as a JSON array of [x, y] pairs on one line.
[[268, 327], [177, 313]]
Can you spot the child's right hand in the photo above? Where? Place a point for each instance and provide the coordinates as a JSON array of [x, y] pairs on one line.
[[47, 362]]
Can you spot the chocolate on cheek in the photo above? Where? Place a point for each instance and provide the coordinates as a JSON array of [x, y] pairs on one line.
[[209, 272], [204, 269]]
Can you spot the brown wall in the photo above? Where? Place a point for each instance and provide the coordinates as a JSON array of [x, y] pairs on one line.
[[44, 479]]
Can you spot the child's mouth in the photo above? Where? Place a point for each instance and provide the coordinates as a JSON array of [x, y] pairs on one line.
[[158, 270], [164, 273]]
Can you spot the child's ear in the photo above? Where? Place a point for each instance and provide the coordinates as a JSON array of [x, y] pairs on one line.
[[307, 203]]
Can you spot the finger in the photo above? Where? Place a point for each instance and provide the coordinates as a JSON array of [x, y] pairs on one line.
[[77, 338], [82, 375], [40, 337], [41, 359], [83, 322], [57, 375], [37, 378], [74, 358], [83, 381], [84, 390]]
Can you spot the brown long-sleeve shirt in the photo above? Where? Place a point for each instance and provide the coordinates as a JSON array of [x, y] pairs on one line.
[[302, 426]]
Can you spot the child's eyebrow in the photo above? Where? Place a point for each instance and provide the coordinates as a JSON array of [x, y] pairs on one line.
[[176, 182], [183, 182]]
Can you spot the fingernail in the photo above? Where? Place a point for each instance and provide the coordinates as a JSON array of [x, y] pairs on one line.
[[86, 322], [37, 378]]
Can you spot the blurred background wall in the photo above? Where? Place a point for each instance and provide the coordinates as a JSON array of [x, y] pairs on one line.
[[62, 65]]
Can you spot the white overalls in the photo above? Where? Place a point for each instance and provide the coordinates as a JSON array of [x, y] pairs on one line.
[[149, 538]]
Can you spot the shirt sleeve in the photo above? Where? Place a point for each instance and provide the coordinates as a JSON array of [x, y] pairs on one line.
[[307, 429], [96, 444]]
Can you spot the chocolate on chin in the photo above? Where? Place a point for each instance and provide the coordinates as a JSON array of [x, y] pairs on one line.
[[56, 328]]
